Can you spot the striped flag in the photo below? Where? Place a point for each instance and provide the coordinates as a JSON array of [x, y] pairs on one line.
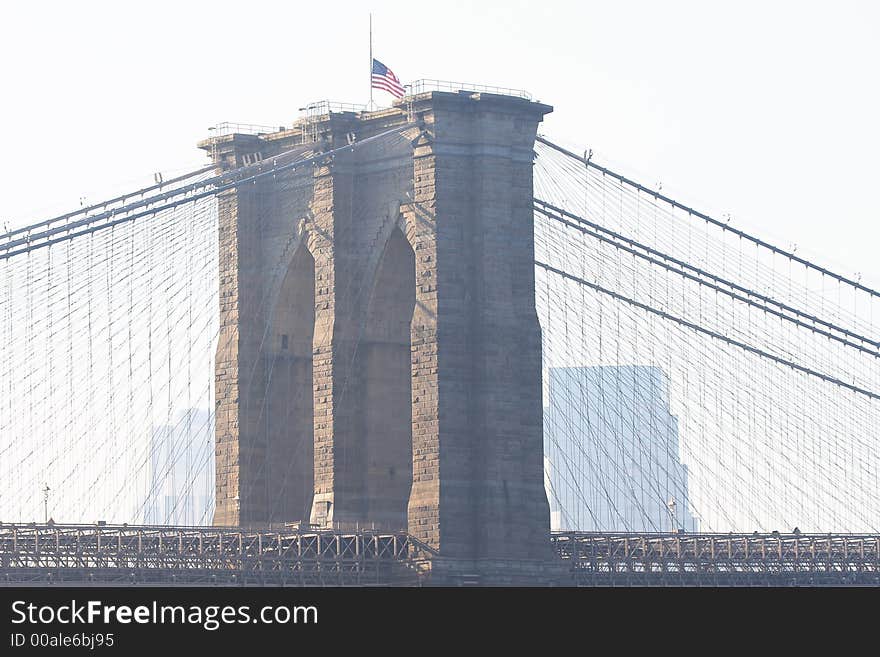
[[384, 78]]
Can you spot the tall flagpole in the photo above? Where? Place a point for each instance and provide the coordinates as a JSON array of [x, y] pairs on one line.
[[370, 106]]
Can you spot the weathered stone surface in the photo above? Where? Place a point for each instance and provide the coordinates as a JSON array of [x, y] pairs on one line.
[[402, 271]]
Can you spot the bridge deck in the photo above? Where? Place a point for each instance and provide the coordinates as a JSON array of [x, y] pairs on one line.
[[152, 555]]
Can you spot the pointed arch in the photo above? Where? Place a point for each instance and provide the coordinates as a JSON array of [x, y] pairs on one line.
[[288, 416], [386, 370]]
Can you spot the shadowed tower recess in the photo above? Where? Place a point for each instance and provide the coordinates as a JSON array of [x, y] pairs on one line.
[[379, 361]]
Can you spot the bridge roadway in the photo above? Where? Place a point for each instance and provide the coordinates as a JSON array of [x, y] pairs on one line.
[[38, 554]]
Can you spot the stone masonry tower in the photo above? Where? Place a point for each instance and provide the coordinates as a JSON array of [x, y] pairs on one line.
[[379, 360]]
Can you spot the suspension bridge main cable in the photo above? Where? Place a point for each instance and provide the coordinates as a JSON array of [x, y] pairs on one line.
[[709, 332], [103, 204], [715, 222], [548, 210], [217, 184]]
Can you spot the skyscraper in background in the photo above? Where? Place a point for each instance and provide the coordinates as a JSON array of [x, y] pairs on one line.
[[612, 460], [181, 482]]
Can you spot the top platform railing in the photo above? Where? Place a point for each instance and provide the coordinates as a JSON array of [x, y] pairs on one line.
[[310, 111], [324, 107], [230, 128], [422, 86], [327, 106]]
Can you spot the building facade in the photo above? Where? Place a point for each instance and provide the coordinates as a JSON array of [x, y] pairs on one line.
[[612, 456]]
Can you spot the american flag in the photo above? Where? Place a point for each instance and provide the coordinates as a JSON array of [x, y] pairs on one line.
[[384, 78]]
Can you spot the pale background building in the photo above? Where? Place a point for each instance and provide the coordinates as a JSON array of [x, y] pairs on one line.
[[612, 456]]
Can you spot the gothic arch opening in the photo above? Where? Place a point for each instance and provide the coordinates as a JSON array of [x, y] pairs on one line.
[[385, 365], [288, 418]]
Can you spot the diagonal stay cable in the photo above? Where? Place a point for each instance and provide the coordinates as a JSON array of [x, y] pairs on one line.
[[710, 333]]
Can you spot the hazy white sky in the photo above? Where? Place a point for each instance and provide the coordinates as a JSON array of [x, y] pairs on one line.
[[766, 110]]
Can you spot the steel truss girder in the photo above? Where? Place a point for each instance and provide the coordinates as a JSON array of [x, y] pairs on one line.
[[203, 556], [720, 559], [58, 554]]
